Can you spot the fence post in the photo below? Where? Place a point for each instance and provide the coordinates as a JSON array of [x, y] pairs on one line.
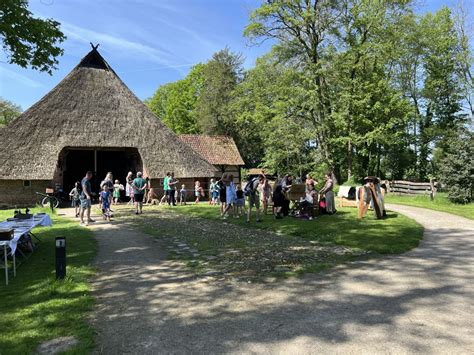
[[432, 189]]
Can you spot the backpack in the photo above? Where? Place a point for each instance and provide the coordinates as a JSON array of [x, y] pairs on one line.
[[249, 187]]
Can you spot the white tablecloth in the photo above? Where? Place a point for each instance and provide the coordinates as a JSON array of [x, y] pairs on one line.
[[22, 227]]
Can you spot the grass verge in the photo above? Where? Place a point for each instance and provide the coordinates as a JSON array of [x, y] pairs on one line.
[[392, 235], [440, 203], [35, 307]]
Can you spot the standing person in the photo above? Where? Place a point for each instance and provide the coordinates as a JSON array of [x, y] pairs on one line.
[[222, 196], [230, 196], [286, 184], [240, 201], [104, 198], [265, 192], [214, 192], [310, 200], [183, 195], [278, 202], [139, 186], [86, 199], [251, 190], [172, 190], [198, 191], [166, 187], [116, 194], [147, 189], [328, 193], [128, 187], [75, 196], [109, 182]]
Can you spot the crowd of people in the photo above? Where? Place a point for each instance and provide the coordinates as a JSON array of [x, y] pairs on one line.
[[260, 193], [234, 199], [110, 194]]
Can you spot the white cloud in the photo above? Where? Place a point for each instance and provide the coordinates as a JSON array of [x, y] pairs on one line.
[[18, 78], [120, 45]]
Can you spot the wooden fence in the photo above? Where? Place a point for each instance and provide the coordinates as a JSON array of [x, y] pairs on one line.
[[411, 188]]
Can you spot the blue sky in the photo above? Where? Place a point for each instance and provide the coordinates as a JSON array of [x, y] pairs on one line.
[[148, 43]]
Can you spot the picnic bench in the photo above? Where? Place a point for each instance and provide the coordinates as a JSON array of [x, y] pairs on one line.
[[21, 231]]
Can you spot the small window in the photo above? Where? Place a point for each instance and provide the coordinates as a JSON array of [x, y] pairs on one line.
[[26, 183]]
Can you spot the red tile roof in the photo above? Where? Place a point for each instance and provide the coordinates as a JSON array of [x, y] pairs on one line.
[[217, 150]]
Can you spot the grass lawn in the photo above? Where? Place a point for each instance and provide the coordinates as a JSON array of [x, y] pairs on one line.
[[34, 307], [287, 247], [440, 203], [394, 234]]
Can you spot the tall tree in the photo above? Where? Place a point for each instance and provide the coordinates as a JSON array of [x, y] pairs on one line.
[[465, 34], [220, 77], [302, 30], [28, 40], [174, 103]]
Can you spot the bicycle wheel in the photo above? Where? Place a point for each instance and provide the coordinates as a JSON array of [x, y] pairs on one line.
[[50, 201]]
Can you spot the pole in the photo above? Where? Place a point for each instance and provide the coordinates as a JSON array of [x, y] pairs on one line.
[[60, 258]]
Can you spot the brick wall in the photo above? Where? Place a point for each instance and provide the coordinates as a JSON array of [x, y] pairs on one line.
[[14, 193]]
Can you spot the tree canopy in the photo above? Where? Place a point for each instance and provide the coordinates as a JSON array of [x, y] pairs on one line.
[[29, 41], [8, 111], [357, 87]]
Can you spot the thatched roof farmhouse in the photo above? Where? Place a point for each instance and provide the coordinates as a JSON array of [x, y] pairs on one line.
[[89, 121]]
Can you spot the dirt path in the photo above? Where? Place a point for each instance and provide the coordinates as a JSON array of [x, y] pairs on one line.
[[421, 301]]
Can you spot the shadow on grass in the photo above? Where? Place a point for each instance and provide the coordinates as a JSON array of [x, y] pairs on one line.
[[35, 307], [168, 310]]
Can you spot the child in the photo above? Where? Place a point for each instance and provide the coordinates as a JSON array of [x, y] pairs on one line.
[[240, 201], [151, 198], [116, 194], [198, 191], [183, 193], [214, 189], [75, 195], [105, 202]]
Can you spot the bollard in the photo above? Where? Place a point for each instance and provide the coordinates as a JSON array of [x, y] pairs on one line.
[[60, 258]]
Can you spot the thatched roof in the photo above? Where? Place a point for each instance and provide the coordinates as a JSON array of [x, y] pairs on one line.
[[217, 150], [92, 107]]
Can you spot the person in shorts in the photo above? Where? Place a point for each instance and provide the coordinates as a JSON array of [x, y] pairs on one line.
[[198, 191], [104, 197], [75, 196], [166, 187], [139, 185], [240, 201], [86, 199], [214, 190], [183, 195]]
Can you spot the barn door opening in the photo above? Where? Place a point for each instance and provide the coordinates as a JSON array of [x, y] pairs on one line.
[[119, 161]]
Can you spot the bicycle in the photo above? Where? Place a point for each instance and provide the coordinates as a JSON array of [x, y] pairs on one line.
[[48, 200]]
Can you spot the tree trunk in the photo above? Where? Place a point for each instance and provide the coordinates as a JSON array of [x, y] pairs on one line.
[[349, 159]]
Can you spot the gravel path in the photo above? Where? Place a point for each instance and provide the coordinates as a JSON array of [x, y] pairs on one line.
[[418, 302]]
